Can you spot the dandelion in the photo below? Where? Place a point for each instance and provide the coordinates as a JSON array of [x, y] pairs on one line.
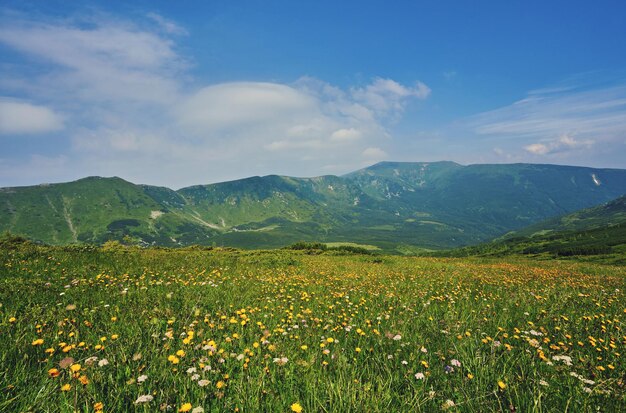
[[296, 407], [53, 372], [281, 361], [66, 387], [12, 320], [83, 380], [74, 368], [98, 406], [220, 384], [470, 376], [185, 407], [146, 398], [38, 342], [501, 385], [66, 362]]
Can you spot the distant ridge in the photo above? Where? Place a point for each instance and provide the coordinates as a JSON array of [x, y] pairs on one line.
[[397, 206]]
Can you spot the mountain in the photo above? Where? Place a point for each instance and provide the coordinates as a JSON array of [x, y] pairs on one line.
[[599, 230], [393, 205]]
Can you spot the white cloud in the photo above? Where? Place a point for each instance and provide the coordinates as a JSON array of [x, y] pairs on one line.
[[235, 105], [167, 25], [553, 112], [133, 111], [573, 123], [564, 143], [386, 96], [24, 118], [345, 135], [100, 62], [374, 153]]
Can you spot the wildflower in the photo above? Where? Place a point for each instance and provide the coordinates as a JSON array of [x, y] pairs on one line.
[[180, 353], [142, 378], [448, 404], [66, 362], [38, 342], [543, 382], [98, 406], [404, 362], [203, 383], [83, 380], [115, 336], [448, 369], [358, 349], [66, 387], [501, 385], [198, 409], [12, 320], [75, 368], [91, 360], [53, 372], [296, 407], [455, 363], [397, 337], [470, 376], [220, 384], [146, 398], [185, 407], [419, 376], [304, 347], [281, 361], [330, 340], [103, 362]]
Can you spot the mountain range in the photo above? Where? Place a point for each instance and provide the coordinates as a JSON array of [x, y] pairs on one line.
[[396, 206]]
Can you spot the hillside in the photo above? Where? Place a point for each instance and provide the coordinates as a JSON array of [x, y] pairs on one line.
[[399, 206], [593, 231]]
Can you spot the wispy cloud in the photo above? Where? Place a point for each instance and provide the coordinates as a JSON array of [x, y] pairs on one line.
[[560, 119], [19, 118]]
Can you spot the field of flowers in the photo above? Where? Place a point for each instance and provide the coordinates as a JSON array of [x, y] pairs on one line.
[[284, 331]]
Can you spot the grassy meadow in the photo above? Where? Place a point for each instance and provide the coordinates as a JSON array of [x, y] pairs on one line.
[[123, 330]]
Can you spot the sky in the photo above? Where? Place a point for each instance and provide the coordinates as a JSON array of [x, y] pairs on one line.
[[182, 93]]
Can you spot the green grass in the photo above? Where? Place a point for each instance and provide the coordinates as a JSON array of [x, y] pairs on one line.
[[504, 320]]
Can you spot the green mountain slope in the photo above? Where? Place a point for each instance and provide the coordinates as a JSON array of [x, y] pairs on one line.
[[599, 230], [393, 205]]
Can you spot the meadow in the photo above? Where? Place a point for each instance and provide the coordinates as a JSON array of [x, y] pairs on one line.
[[127, 329]]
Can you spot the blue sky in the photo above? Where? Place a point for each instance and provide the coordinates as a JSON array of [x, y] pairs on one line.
[[181, 93]]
